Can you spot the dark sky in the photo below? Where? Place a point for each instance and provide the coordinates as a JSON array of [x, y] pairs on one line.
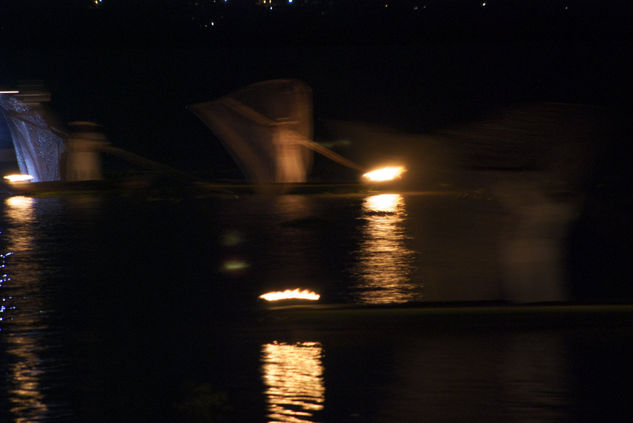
[[133, 65]]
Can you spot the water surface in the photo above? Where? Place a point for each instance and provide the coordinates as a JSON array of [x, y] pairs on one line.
[[119, 309]]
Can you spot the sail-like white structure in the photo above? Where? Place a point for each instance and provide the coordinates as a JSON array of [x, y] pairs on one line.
[[38, 145], [267, 127]]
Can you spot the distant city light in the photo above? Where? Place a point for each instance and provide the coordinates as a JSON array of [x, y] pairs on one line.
[[18, 178], [385, 174], [295, 294]]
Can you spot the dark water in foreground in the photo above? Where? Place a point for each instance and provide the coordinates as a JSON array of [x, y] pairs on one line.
[[143, 310]]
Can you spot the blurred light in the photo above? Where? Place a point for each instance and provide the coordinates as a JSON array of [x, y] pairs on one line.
[[293, 376], [10, 92], [385, 174], [19, 210], [288, 294], [231, 239], [234, 265], [18, 178], [19, 202], [383, 202]]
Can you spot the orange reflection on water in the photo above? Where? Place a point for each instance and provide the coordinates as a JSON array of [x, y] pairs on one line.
[[390, 203], [26, 394], [20, 214], [18, 203], [22, 333], [385, 262], [293, 376]]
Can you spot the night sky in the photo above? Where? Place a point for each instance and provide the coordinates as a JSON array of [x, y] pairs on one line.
[[414, 65]]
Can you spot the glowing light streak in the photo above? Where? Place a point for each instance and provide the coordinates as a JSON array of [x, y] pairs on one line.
[[231, 239], [295, 294], [24, 339], [385, 262], [385, 174], [18, 178]]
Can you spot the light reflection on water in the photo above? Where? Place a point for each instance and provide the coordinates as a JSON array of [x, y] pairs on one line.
[[390, 377], [293, 376], [26, 396], [22, 320], [385, 263]]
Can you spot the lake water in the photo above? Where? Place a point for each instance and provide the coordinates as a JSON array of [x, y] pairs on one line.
[[145, 309]]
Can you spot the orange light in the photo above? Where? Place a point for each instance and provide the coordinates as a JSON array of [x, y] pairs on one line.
[[385, 174], [295, 294], [18, 178]]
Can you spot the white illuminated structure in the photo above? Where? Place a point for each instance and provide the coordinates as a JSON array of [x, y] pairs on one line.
[[267, 127], [35, 145], [263, 126], [83, 161]]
